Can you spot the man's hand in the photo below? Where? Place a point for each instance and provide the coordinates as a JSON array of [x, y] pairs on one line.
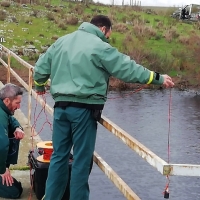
[[19, 134], [7, 178], [168, 83]]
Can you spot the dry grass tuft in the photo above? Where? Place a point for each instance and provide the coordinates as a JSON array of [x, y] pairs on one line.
[[71, 20], [2, 15], [5, 4], [120, 27], [50, 16], [171, 34]]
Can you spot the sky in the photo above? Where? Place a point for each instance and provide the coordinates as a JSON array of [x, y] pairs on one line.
[[172, 3]]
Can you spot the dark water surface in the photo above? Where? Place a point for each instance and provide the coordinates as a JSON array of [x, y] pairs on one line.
[[144, 115]]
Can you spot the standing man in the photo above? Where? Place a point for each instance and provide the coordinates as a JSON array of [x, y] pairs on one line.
[[79, 66], [10, 134]]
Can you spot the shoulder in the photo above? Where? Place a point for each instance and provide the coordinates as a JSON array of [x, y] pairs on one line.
[[4, 119], [3, 115]]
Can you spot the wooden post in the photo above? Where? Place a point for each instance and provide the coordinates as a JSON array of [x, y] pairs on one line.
[[30, 84], [8, 69], [113, 176]]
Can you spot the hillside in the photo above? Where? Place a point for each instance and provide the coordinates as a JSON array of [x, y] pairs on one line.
[[148, 35]]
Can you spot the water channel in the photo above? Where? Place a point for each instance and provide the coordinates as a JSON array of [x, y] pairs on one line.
[[144, 115]]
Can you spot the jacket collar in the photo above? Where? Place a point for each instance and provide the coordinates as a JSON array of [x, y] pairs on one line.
[[90, 28], [3, 107]]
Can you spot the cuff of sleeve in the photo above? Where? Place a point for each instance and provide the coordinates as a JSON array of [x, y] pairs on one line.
[[20, 128], [40, 88], [158, 79], [7, 165]]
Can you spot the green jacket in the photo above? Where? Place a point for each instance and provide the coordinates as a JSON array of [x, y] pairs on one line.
[[80, 64], [8, 124]]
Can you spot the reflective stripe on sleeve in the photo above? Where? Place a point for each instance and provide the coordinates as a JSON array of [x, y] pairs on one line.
[[150, 78], [42, 84]]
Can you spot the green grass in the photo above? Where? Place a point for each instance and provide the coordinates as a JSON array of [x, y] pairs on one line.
[[163, 48]]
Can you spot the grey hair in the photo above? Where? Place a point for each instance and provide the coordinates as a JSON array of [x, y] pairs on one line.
[[10, 91]]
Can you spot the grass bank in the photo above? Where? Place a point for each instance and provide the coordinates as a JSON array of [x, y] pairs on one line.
[[148, 35]]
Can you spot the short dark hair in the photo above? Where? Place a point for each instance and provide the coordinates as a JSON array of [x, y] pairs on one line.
[[101, 20]]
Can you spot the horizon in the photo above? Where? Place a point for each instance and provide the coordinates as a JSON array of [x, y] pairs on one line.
[[156, 3]]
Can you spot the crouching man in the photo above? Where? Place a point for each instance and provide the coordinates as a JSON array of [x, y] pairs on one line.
[[10, 135]]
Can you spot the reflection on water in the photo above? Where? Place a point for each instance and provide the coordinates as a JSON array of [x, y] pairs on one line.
[[144, 115]]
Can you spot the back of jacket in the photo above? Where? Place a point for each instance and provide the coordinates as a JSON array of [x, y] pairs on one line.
[[76, 68], [80, 64]]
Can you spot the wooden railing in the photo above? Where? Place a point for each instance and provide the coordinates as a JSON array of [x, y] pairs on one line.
[[155, 161]]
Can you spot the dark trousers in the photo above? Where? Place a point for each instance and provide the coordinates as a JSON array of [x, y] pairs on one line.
[[14, 191], [71, 127], [10, 192]]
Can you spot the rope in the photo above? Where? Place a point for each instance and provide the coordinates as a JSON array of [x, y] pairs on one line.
[[166, 191], [169, 127], [47, 152], [36, 118]]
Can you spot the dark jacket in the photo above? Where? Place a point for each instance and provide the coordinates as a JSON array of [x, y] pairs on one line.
[[8, 124]]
